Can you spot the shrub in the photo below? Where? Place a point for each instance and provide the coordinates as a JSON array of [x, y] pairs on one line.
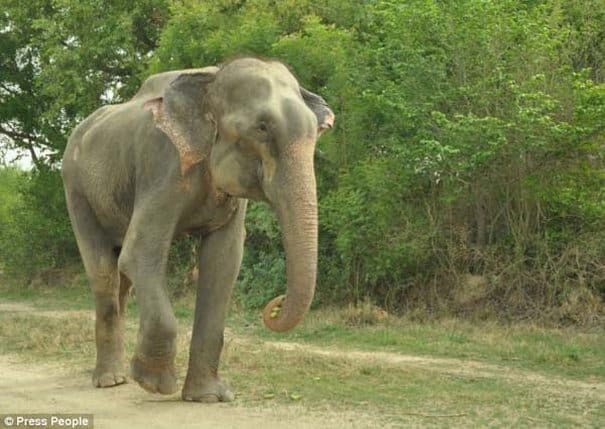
[[37, 234]]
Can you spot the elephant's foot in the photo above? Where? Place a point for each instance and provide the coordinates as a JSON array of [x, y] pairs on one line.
[[154, 376], [108, 376], [208, 390]]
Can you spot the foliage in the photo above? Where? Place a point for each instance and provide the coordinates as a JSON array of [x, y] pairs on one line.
[[264, 270], [9, 197], [469, 135], [36, 234], [60, 59]]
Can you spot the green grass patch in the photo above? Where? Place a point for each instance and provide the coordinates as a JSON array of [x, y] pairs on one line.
[[407, 395], [567, 351]]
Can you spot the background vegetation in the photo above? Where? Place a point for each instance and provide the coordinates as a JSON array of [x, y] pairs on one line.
[[465, 173]]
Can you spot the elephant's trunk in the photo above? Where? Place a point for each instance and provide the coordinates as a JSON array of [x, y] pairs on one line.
[[295, 201]]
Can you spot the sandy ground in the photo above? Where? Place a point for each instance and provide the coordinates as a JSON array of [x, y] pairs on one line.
[[51, 388]]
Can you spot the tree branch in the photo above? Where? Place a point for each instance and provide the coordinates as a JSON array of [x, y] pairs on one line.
[[15, 135], [26, 142], [9, 90]]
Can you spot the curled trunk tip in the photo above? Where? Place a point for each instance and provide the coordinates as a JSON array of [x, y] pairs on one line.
[[272, 315], [278, 318]]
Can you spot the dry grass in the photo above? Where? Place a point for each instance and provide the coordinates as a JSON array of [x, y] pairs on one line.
[[363, 313], [412, 389], [35, 336]]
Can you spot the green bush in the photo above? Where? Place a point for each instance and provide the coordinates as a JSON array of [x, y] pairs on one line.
[[468, 141], [37, 235], [263, 274]]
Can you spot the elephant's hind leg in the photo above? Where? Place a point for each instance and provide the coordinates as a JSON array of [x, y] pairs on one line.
[[101, 264]]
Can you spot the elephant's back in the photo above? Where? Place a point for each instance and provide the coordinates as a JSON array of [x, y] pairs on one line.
[[99, 162], [100, 168], [119, 120], [72, 151], [155, 85]]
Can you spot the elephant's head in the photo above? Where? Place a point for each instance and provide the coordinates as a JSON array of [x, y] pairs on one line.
[[258, 127]]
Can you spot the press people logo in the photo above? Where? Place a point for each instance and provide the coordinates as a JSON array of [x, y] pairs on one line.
[[73, 421]]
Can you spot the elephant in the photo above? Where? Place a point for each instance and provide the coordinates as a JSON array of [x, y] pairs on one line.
[[182, 157]]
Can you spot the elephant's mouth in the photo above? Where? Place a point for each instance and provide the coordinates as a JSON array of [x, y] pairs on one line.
[[259, 172]]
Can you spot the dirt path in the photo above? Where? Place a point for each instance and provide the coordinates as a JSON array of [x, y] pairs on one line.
[[51, 388]]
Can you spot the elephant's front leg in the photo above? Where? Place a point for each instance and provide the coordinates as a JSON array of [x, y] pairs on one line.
[[143, 260], [220, 259]]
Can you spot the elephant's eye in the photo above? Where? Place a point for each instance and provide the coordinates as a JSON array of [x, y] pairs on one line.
[[263, 127]]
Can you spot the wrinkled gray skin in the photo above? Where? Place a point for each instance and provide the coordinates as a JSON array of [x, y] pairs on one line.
[[183, 156]]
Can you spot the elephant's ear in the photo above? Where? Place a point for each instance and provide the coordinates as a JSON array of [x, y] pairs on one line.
[[181, 113], [325, 116]]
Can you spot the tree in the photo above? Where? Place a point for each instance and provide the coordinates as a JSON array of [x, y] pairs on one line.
[[61, 59]]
